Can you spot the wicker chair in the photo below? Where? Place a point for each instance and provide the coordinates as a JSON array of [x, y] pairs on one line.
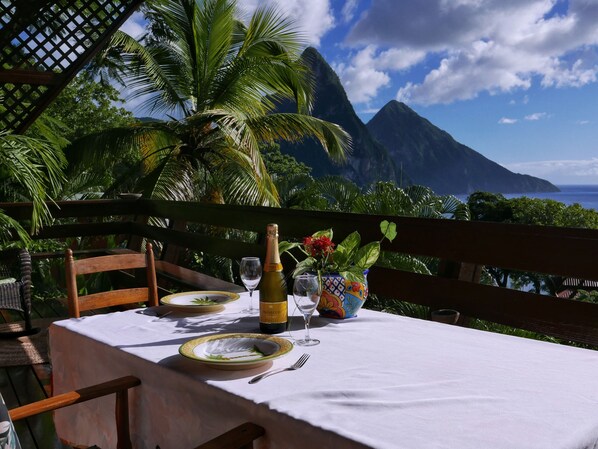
[[16, 295]]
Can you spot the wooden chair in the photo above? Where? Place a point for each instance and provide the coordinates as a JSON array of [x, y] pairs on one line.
[[120, 387], [241, 437], [77, 304]]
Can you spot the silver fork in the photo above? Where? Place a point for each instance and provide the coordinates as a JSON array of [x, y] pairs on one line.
[[298, 364]]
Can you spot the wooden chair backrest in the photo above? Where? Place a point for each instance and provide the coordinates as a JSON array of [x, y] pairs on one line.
[[77, 304]]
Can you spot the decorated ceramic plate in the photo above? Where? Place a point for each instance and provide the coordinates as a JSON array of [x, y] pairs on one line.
[[235, 351], [200, 301]]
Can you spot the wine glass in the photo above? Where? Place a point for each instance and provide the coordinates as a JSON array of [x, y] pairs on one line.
[[306, 293], [251, 273]]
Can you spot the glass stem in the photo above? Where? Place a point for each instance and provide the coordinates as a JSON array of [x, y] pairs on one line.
[[307, 318], [251, 300]]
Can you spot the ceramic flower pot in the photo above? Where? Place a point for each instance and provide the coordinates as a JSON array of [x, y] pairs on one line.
[[341, 298]]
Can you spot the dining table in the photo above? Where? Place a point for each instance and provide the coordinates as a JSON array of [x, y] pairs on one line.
[[378, 380]]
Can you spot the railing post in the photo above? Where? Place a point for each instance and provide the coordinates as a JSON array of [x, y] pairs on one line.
[[461, 271], [171, 253], [135, 242]]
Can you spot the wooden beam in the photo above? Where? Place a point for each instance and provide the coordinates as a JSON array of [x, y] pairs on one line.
[[21, 76]]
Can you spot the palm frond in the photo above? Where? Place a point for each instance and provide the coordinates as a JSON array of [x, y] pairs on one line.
[[211, 46], [274, 39], [85, 185], [340, 192], [290, 187], [9, 229], [296, 127], [454, 207], [384, 198], [172, 179], [36, 166], [270, 32], [104, 149], [239, 180]]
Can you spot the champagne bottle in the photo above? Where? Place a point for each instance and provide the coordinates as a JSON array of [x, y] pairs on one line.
[[273, 288]]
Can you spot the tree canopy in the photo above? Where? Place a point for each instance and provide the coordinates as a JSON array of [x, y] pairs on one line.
[[487, 206], [219, 81], [86, 106]]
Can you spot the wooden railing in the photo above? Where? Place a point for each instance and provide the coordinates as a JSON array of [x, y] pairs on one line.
[[463, 247]]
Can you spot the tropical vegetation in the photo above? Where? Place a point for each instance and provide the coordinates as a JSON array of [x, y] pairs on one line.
[[495, 207], [85, 107], [217, 82], [30, 170], [348, 258]]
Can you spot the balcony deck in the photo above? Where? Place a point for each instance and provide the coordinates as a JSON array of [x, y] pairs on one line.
[[461, 249], [20, 385]]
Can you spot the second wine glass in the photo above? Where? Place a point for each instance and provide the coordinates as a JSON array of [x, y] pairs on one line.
[[250, 270], [306, 293]]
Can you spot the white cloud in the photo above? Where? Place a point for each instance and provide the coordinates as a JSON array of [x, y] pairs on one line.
[[463, 75], [368, 70], [314, 18], [493, 46], [507, 121], [583, 122], [536, 116], [576, 76], [560, 171], [369, 111], [398, 59], [135, 25], [348, 11], [360, 78]]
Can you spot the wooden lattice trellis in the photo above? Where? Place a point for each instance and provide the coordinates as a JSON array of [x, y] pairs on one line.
[[43, 44]]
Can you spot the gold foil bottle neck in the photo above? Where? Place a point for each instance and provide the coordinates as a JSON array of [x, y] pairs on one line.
[[272, 231], [272, 262]]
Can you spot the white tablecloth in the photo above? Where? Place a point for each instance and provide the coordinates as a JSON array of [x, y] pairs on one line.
[[378, 380]]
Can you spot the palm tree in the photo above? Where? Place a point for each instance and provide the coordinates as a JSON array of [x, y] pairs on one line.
[[220, 82], [30, 170]]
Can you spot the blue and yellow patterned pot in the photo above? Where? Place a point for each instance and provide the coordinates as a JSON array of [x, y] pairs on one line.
[[341, 298]]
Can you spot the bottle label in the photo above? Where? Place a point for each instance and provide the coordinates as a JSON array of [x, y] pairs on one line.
[[270, 267], [273, 312]]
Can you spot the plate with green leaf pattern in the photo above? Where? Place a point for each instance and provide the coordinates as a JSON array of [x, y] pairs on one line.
[[200, 301], [235, 351]]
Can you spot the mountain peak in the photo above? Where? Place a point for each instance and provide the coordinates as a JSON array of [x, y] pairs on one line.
[[369, 161], [311, 52], [394, 107], [397, 136], [433, 158]]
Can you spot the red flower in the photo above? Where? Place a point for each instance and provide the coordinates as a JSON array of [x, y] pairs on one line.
[[318, 246]]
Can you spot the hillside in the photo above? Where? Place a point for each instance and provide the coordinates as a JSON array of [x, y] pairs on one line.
[[433, 158], [369, 161], [399, 145]]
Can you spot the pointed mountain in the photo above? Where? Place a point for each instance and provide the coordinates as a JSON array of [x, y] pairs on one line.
[[433, 158], [369, 161]]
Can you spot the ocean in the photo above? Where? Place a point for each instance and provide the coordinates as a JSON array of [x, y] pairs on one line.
[[586, 195]]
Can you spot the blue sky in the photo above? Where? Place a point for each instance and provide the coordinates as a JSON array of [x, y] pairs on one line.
[[516, 80]]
